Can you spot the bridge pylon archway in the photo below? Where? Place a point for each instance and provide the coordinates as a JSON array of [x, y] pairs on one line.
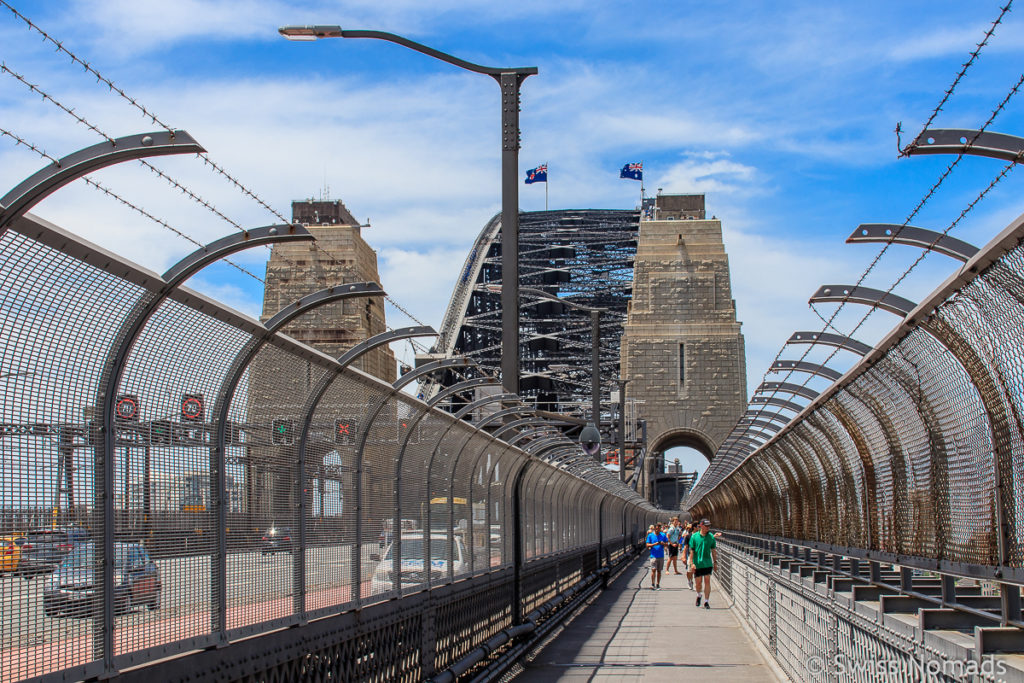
[[682, 349]]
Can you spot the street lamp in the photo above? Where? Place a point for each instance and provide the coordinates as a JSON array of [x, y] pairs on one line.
[[510, 79], [677, 483], [590, 440]]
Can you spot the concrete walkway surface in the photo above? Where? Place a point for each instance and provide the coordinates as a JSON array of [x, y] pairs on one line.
[[633, 633]]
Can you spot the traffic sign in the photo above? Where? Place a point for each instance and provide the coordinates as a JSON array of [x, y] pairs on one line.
[[192, 408], [126, 408]]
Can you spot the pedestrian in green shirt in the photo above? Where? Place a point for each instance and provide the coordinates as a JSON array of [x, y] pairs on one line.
[[703, 556]]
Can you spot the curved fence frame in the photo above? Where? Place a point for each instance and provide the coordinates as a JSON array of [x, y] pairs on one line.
[[97, 442], [914, 456]]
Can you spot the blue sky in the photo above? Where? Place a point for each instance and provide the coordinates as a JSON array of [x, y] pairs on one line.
[[783, 113]]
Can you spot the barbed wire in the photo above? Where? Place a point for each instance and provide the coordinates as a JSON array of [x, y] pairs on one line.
[[24, 143], [963, 71], [829, 322], [177, 185], [110, 193], [204, 157]]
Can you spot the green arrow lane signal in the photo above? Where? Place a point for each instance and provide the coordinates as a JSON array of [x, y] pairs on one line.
[[281, 432]]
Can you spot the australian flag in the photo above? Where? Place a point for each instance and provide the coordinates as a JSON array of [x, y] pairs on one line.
[[537, 175], [633, 171]]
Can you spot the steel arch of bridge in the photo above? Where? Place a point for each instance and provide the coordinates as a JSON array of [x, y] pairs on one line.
[[583, 256]]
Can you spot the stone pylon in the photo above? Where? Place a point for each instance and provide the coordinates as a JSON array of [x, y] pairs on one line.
[[278, 386], [682, 349]]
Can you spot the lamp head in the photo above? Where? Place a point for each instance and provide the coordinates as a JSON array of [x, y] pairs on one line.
[[590, 439], [310, 32]]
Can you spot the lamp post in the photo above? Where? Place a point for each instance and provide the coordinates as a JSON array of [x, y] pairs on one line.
[[622, 431], [509, 79], [677, 483]]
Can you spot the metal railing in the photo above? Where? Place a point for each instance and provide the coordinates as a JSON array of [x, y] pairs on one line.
[[916, 454], [826, 616], [182, 481]]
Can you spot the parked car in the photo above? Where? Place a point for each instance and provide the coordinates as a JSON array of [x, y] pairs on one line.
[[278, 539], [10, 552], [44, 549], [72, 589], [387, 532], [411, 563]]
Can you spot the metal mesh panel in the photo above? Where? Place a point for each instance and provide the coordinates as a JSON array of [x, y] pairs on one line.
[[163, 500], [57, 318], [850, 487], [209, 544], [500, 506], [373, 499], [260, 561], [870, 432], [414, 494], [988, 315], [330, 492]]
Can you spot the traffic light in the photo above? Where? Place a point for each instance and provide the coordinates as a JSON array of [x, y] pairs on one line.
[[344, 432], [160, 433], [283, 432]]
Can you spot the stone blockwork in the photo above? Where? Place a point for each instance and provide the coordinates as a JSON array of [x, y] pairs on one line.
[[297, 269], [278, 386], [682, 349]]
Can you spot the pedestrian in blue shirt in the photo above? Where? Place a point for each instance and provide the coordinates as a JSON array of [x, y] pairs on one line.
[[656, 542]]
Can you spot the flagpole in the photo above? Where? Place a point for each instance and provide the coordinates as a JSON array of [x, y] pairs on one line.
[[641, 185], [545, 190]]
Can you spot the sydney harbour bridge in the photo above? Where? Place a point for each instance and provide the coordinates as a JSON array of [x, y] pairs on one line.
[[195, 493]]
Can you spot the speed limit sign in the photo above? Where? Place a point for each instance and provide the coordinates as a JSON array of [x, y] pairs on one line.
[[192, 408], [127, 407]]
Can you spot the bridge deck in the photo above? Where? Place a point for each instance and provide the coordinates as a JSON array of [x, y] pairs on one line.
[[631, 632]]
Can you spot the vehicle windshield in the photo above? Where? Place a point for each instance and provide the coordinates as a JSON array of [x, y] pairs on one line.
[[83, 556], [412, 549]]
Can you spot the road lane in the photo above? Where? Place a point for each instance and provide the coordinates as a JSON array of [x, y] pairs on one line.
[[259, 589]]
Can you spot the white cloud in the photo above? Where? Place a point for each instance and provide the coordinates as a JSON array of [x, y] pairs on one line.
[[708, 173]]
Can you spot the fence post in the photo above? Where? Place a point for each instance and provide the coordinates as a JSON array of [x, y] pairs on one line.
[[517, 550]]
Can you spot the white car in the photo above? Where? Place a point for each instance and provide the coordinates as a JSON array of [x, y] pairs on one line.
[[413, 551]]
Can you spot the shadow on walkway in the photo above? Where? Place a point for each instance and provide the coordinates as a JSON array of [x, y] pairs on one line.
[[634, 633]]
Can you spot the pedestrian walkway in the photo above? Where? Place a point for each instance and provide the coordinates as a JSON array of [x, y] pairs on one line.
[[634, 633]]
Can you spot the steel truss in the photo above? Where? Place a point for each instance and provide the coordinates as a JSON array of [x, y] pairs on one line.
[[583, 256]]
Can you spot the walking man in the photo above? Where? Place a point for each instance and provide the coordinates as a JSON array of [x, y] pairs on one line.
[[673, 534], [656, 543], [703, 556], [687, 553]]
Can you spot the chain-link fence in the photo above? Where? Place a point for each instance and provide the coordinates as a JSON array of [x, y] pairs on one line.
[[917, 452], [177, 476]]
